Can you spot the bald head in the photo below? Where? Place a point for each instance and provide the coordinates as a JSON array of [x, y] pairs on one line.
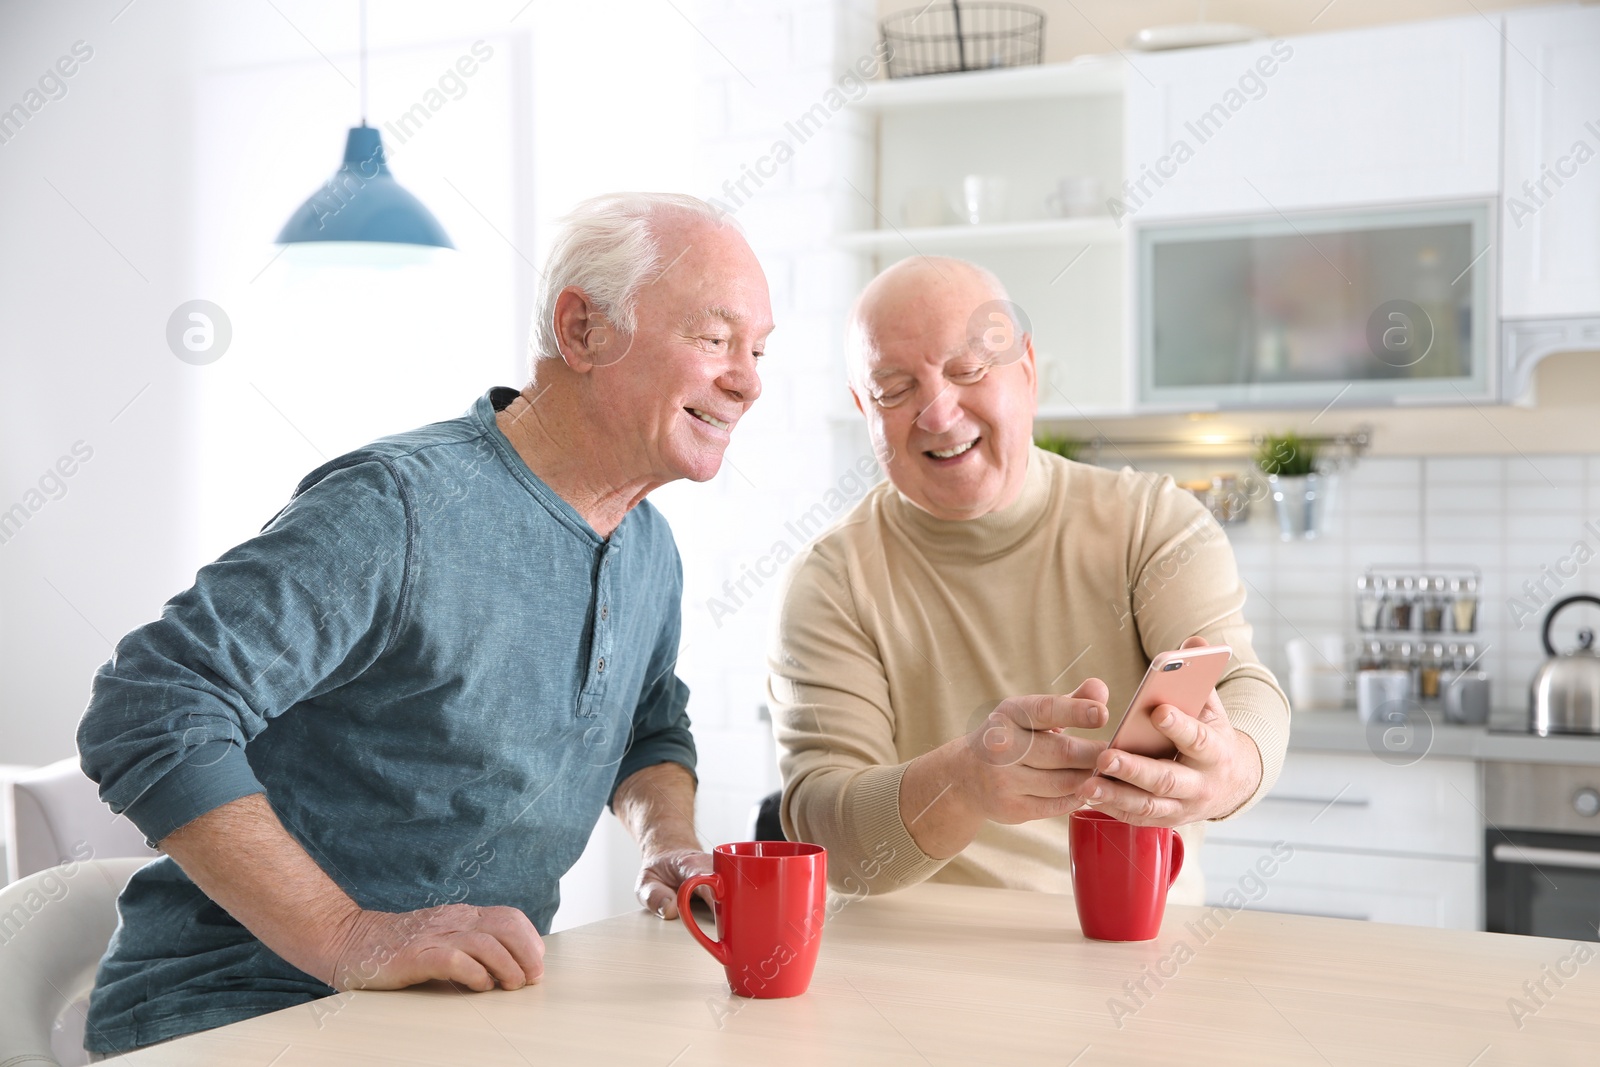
[[919, 290], [942, 366]]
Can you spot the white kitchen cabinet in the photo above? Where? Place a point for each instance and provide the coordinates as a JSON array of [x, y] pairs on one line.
[[1370, 839], [1407, 113], [1550, 210], [1384, 889], [1360, 803], [1550, 216]]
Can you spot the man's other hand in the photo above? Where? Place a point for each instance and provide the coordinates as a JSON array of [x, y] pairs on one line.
[[662, 874], [1023, 765], [472, 946], [1017, 766]]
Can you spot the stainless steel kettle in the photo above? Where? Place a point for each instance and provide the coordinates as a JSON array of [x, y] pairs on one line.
[[1565, 695]]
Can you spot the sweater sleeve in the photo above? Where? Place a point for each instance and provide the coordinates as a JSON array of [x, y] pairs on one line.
[[1185, 582], [835, 726], [300, 608]]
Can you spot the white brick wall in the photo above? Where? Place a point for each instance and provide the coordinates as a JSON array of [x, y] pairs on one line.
[[781, 461]]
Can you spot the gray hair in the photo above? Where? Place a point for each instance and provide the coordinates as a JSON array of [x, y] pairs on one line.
[[607, 247]]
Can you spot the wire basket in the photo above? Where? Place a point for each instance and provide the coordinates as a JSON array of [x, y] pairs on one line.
[[957, 36]]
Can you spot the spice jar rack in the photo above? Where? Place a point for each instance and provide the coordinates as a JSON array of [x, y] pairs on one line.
[[1424, 620], [1418, 601]]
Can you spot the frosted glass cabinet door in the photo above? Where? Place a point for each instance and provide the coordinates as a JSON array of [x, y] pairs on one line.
[[1550, 216], [1372, 307]]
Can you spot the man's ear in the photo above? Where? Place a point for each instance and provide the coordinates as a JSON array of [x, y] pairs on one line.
[[586, 336], [856, 399]]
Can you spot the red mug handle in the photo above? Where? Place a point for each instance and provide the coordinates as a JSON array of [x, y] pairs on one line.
[[686, 895], [1177, 858]]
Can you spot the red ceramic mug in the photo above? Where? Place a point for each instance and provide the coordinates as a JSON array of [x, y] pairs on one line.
[[1121, 874], [771, 901]]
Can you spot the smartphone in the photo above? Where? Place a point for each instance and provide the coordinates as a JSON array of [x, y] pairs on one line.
[[1183, 679]]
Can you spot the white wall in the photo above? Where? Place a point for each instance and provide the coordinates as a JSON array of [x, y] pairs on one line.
[[95, 240], [185, 142]]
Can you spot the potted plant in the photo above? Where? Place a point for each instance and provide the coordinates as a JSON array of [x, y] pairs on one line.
[[1066, 447], [1300, 490]]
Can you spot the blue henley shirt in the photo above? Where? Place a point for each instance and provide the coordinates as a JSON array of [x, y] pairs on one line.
[[435, 670]]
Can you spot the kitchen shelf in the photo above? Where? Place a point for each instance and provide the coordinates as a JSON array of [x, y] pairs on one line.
[[1089, 76], [1094, 230]]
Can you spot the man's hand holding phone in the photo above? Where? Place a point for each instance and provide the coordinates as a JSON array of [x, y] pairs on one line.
[[1018, 765], [1217, 770]]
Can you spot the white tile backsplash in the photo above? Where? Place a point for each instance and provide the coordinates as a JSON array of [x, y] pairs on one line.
[[1445, 534], [1451, 498], [1473, 470], [1391, 472], [1388, 552], [1392, 499], [1543, 470], [1395, 526], [1526, 556], [1545, 499], [1513, 517]]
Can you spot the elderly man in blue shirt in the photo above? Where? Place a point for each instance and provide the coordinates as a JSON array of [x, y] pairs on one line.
[[371, 739]]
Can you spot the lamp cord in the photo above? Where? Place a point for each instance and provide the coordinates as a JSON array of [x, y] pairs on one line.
[[363, 62]]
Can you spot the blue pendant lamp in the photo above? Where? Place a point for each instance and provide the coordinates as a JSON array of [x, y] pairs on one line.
[[362, 202]]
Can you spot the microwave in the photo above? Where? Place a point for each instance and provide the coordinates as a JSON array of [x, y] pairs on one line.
[[1370, 307]]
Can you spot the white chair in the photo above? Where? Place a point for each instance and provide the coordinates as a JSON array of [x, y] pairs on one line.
[[54, 927], [55, 814]]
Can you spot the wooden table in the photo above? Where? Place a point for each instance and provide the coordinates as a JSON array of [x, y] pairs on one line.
[[953, 975]]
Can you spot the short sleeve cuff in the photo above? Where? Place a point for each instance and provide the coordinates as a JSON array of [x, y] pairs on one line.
[[208, 776]]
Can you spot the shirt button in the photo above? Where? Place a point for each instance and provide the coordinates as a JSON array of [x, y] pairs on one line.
[[605, 612], [601, 666]]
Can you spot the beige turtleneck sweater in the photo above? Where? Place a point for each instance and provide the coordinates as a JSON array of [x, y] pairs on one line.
[[898, 631]]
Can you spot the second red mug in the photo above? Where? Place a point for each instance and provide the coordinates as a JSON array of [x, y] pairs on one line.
[[1121, 874], [771, 902]]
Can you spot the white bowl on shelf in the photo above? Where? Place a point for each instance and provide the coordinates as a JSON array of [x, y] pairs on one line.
[[1192, 35]]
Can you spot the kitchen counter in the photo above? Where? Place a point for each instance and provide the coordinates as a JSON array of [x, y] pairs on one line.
[[942, 974], [1342, 731]]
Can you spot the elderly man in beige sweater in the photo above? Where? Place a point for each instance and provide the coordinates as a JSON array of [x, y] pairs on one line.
[[943, 658]]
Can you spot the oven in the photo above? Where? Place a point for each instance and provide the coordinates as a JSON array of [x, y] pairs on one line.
[[1542, 850]]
